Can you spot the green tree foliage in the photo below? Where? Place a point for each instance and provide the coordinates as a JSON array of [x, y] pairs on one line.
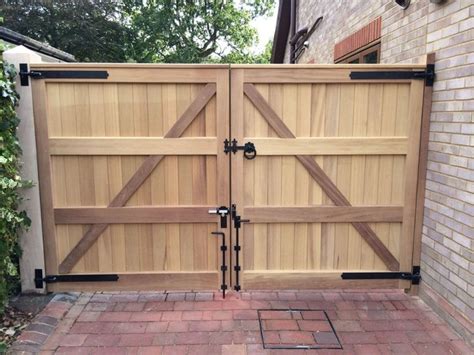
[[170, 31], [191, 31], [12, 220], [246, 57], [89, 29]]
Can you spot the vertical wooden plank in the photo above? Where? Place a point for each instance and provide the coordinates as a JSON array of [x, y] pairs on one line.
[[157, 178], [144, 236], [199, 192], [344, 166], [330, 167], [411, 173], [86, 165], [355, 241], [114, 171], [222, 124], [211, 187], [100, 173], [71, 165], [318, 111], [129, 166], [237, 166], [302, 178], [398, 179], [274, 185], [374, 119], [288, 178], [155, 110], [200, 250], [185, 186], [260, 190], [247, 239], [389, 110], [54, 110], [173, 256], [40, 111]]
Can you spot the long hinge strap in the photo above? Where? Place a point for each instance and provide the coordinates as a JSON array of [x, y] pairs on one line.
[[428, 75], [39, 279], [413, 276], [25, 74]]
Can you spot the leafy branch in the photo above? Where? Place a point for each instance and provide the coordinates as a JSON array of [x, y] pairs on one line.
[[179, 31], [12, 220]]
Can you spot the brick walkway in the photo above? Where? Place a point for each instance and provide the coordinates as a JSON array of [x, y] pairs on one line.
[[372, 322]]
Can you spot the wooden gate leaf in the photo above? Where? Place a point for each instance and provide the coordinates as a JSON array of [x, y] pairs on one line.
[[147, 167], [318, 174]]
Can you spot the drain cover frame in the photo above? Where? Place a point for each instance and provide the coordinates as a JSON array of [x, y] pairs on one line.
[[272, 346]]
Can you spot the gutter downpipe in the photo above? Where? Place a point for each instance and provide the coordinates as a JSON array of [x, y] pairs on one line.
[[292, 30]]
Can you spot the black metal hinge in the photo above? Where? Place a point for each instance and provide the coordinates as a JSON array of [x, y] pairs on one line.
[[428, 75], [414, 276], [232, 146], [25, 74], [39, 279]]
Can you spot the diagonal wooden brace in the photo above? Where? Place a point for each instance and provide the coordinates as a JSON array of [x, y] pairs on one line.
[[138, 178], [321, 177]]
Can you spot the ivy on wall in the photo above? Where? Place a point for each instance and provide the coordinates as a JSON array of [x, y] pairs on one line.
[[12, 220]]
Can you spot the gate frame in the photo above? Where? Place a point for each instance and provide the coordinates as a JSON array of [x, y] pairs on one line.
[[214, 75], [415, 168], [228, 82]]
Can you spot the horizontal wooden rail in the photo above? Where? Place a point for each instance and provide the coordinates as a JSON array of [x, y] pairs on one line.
[[307, 279], [132, 146], [329, 214], [317, 75], [331, 146], [278, 67], [119, 215], [124, 74], [141, 281]]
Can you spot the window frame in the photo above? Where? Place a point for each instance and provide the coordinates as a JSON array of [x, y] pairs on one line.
[[360, 53]]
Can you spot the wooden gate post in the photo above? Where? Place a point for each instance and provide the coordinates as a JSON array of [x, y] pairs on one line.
[[422, 167], [31, 241]]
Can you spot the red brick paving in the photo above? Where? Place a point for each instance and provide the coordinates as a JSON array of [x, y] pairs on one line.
[[366, 322]]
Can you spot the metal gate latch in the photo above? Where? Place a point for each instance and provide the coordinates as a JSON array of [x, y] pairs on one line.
[[223, 266], [222, 211], [237, 225], [249, 148]]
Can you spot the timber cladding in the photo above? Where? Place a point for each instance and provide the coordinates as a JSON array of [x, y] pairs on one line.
[[130, 165]]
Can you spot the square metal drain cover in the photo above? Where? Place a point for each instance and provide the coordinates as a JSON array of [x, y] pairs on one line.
[[297, 329]]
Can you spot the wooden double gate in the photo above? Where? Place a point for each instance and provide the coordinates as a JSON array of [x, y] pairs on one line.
[[131, 159]]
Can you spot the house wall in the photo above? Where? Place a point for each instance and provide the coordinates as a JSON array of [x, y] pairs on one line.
[[407, 35]]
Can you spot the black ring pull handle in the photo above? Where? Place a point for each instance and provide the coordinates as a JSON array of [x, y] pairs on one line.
[[232, 146], [249, 151]]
